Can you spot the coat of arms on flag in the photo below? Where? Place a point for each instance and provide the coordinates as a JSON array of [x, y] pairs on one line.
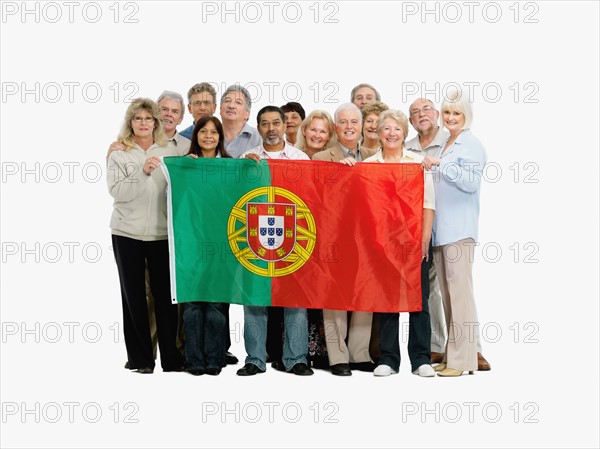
[[280, 231]]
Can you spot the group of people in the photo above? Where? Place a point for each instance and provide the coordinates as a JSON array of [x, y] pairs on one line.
[[195, 336]]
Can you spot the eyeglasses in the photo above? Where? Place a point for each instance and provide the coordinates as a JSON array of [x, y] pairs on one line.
[[143, 119], [206, 103], [417, 112]]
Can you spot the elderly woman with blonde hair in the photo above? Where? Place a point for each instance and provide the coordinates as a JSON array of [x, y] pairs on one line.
[[316, 133], [459, 165], [392, 129], [139, 236]]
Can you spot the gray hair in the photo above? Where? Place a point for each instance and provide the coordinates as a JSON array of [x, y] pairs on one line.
[[239, 89], [360, 86], [347, 107], [172, 96], [202, 87]]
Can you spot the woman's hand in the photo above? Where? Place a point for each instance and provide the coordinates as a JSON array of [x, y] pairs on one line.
[[150, 164], [192, 155], [349, 161], [430, 161]]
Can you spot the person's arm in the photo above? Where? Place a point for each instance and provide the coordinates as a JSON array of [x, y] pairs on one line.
[[466, 170]]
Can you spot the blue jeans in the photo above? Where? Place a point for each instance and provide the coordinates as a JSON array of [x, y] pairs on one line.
[[295, 345], [205, 334]]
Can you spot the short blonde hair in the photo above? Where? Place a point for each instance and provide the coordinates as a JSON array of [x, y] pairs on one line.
[[126, 136], [459, 102], [396, 115], [316, 114]]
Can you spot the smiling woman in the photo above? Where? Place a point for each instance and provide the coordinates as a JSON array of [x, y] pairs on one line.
[[316, 133], [139, 236], [459, 163]]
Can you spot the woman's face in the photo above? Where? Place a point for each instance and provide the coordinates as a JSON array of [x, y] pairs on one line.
[[208, 137], [316, 134], [292, 122], [454, 121], [142, 124], [391, 135], [370, 127]]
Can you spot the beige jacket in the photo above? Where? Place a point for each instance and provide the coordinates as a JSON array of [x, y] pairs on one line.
[[140, 202]]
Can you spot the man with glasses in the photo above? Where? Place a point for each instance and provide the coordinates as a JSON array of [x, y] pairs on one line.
[[424, 118], [202, 101]]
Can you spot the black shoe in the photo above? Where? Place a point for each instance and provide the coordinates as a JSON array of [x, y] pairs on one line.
[[127, 365], [341, 369], [230, 359], [369, 367], [213, 371], [249, 369], [195, 371], [301, 369], [278, 365], [144, 370]]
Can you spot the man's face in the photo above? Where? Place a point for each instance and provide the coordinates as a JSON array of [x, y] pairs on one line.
[[363, 96], [271, 128], [347, 128], [171, 113], [201, 105], [233, 107], [423, 116], [292, 122]]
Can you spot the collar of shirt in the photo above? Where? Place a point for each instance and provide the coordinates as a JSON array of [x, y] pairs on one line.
[[408, 156], [464, 134], [264, 154], [441, 136], [348, 153]]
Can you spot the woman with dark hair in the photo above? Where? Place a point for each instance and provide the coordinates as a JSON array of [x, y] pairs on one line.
[[208, 139], [205, 323], [139, 236]]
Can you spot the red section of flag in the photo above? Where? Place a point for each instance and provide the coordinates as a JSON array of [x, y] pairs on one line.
[[368, 219]]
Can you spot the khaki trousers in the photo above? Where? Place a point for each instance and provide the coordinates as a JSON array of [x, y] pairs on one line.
[[359, 335], [454, 266]]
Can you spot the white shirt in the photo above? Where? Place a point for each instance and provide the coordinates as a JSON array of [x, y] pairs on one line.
[[288, 152]]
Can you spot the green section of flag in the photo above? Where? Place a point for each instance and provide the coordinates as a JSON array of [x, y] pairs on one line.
[[202, 195]]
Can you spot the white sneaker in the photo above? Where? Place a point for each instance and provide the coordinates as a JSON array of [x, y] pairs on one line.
[[383, 370], [425, 371]]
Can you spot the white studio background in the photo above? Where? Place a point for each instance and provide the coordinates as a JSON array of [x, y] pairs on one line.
[[68, 70]]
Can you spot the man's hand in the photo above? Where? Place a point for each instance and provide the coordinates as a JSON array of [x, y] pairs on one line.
[[430, 161], [350, 161], [115, 146], [253, 156]]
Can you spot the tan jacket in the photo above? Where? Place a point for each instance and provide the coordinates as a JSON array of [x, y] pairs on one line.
[[335, 154]]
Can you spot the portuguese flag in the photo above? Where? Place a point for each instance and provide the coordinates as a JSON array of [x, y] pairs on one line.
[[304, 234]]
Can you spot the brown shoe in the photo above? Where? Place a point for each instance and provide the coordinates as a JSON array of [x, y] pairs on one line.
[[482, 363], [437, 357]]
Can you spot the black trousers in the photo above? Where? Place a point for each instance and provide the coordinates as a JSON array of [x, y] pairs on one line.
[[132, 256], [419, 330]]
